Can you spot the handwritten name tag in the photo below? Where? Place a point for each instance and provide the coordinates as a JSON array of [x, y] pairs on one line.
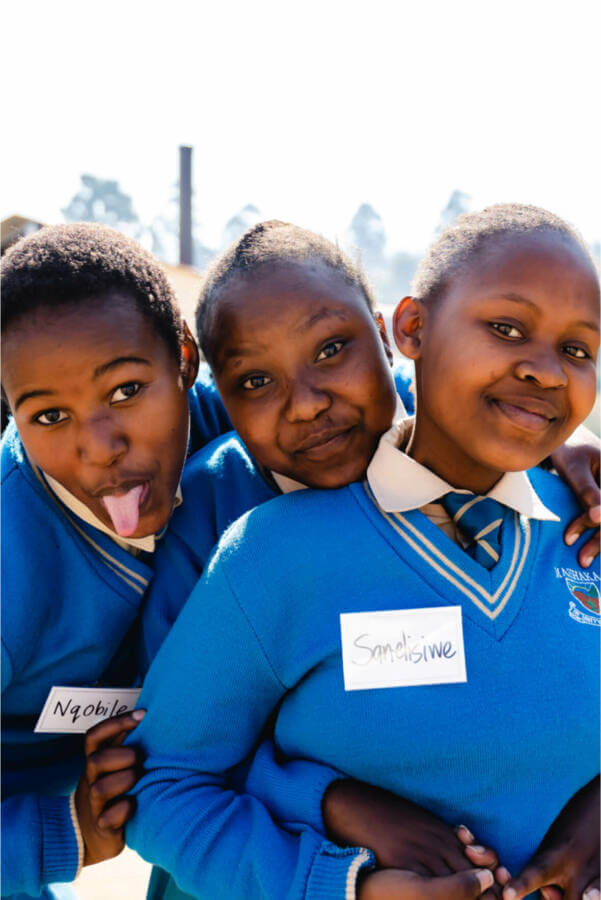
[[75, 709], [402, 647]]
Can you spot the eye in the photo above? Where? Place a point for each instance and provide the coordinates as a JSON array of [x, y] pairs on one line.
[[254, 382], [125, 391], [51, 417], [507, 330], [576, 352], [329, 350]]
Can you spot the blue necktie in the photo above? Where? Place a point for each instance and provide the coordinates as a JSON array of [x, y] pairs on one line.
[[479, 520]]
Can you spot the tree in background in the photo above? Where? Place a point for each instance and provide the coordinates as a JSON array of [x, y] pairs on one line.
[[459, 202], [101, 200], [235, 227]]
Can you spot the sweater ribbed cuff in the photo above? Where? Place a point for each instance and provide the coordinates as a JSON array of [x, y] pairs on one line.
[[60, 852], [308, 800], [78, 834], [334, 872]]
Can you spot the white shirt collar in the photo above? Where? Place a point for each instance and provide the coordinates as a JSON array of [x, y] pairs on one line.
[[146, 543], [399, 483]]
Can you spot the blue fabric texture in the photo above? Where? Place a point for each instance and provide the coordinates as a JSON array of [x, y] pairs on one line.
[[260, 637]]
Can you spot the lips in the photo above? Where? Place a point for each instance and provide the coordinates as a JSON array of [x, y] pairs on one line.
[[321, 444], [529, 413]]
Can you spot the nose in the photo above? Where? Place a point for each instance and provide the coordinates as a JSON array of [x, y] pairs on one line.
[[305, 401], [543, 367], [101, 442]]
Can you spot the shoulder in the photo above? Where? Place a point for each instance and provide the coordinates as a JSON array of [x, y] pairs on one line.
[[24, 503], [224, 460], [225, 454], [555, 494], [219, 483], [289, 528]]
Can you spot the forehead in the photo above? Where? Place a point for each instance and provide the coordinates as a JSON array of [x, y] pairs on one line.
[[287, 294], [72, 340], [545, 266]]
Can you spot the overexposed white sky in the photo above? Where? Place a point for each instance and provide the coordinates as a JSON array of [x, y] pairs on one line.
[[305, 109]]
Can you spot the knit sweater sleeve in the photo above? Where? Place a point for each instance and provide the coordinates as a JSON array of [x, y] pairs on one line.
[[207, 695], [39, 843]]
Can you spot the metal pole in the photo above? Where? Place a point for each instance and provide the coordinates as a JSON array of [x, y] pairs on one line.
[[185, 206]]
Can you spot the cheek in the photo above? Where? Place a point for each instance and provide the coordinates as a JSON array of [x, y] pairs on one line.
[[257, 426], [582, 394], [51, 452]]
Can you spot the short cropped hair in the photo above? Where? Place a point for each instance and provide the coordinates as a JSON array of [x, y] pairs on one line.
[[268, 244], [68, 265], [472, 233]]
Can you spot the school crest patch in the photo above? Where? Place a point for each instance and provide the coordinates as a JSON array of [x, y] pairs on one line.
[[584, 589]]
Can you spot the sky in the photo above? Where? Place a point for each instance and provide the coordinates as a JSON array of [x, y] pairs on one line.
[[305, 109]]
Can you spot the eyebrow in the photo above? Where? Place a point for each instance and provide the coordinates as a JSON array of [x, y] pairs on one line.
[[29, 394], [119, 361], [325, 313], [517, 298], [98, 371]]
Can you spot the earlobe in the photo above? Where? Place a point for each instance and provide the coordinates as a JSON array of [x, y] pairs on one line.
[[408, 323], [381, 326], [190, 359]]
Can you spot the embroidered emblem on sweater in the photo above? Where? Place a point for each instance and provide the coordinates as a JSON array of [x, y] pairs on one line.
[[584, 589]]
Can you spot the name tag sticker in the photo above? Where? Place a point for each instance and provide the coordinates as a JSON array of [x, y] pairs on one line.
[[75, 709], [402, 648]]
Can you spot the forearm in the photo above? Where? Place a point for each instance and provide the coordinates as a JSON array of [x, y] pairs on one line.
[[293, 790]]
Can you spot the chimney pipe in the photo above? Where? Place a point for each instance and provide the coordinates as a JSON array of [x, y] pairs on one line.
[[185, 206]]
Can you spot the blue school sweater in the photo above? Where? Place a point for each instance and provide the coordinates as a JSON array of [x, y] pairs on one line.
[[70, 598], [220, 483], [260, 637]]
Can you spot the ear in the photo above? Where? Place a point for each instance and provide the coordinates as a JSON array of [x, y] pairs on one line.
[[189, 358], [381, 326], [408, 324]]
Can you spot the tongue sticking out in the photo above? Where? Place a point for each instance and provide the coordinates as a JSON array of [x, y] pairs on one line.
[[124, 509]]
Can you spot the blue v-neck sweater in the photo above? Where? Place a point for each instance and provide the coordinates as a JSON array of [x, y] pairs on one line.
[[260, 637]]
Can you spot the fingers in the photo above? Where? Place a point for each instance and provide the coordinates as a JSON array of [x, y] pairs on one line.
[[538, 873], [483, 857], [579, 466], [589, 551], [115, 816], [461, 886], [576, 528], [111, 729], [106, 789], [550, 892], [592, 892], [113, 759]]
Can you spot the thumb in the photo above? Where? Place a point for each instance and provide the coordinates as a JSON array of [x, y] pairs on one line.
[[534, 876], [466, 885]]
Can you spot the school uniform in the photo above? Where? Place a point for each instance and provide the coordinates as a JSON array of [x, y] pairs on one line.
[[221, 482], [72, 598], [260, 636], [71, 594]]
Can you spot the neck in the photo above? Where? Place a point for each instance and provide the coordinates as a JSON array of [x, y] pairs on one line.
[[439, 454]]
